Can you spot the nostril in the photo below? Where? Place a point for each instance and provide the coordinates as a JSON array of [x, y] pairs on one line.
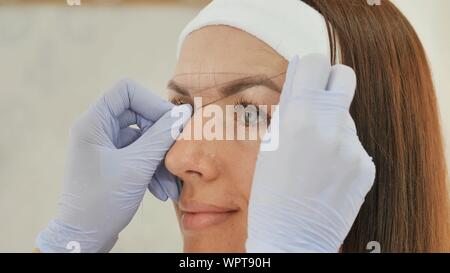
[[193, 173]]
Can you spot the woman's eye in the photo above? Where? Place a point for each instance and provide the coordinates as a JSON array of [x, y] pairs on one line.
[[249, 115]]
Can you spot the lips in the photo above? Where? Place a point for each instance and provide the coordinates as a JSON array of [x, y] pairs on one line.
[[195, 215]]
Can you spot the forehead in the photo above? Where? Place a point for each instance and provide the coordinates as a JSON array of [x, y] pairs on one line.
[[217, 54]]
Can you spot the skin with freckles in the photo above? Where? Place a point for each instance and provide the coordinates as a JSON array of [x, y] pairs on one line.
[[217, 174]]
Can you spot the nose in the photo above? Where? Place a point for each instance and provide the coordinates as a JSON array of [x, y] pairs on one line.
[[193, 160]]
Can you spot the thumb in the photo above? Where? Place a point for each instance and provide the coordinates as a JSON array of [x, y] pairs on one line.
[[159, 137]]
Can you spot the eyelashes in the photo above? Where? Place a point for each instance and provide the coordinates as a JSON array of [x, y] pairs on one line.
[[250, 114], [247, 112], [182, 100]]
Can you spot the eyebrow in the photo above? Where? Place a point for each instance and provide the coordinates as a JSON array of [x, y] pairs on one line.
[[233, 87]]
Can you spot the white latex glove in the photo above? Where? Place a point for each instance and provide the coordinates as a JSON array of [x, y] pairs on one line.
[[307, 194], [109, 167]]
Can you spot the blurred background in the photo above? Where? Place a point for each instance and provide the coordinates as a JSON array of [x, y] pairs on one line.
[[56, 59]]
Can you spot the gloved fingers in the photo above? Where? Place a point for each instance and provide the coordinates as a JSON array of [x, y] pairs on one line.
[[155, 188], [127, 94], [143, 123], [289, 82], [309, 74], [127, 136], [353, 153], [343, 79], [312, 73], [350, 125], [127, 118], [166, 181], [162, 134]]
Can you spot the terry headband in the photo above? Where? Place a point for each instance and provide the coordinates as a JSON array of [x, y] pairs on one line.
[[290, 27]]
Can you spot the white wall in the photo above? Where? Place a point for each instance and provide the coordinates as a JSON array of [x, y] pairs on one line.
[[54, 61]]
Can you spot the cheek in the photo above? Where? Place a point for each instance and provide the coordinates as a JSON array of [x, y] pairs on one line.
[[242, 163]]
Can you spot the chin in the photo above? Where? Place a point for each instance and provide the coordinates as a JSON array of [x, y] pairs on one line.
[[210, 244]]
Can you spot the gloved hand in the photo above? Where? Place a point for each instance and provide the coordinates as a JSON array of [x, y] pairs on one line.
[[109, 167], [307, 194]]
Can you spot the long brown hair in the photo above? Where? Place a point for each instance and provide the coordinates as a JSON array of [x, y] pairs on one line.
[[396, 113]]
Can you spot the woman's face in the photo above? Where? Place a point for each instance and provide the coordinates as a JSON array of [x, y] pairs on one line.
[[217, 174]]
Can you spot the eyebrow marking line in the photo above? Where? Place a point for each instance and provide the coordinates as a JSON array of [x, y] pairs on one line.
[[232, 87], [209, 73]]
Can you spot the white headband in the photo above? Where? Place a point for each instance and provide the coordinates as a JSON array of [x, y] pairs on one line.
[[290, 27]]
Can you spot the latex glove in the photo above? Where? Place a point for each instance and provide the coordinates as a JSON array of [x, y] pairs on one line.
[[307, 194], [110, 166]]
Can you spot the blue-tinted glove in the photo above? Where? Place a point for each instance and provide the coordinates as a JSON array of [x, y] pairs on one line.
[[109, 167], [307, 194]]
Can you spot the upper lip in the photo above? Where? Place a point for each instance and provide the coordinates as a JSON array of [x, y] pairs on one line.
[[198, 207]]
